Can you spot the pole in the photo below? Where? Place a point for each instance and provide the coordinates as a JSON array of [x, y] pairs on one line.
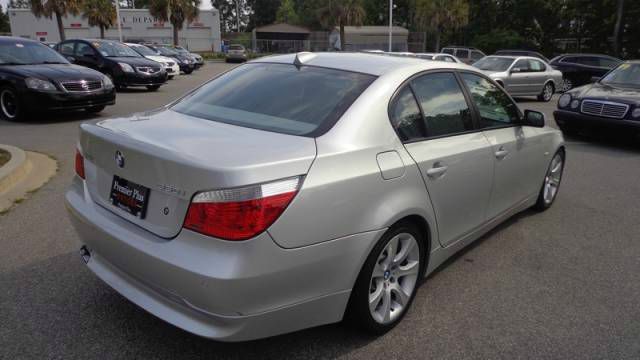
[[390, 24], [118, 19]]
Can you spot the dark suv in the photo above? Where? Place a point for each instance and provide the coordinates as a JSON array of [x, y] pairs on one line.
[[119, 62], [35, 78], [578, 69]]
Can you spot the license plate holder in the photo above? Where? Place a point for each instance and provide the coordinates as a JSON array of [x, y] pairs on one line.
[[129, 196]]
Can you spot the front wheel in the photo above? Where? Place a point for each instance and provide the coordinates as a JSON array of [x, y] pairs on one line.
[[10, 107], [567, 84], [547, 92], [388, 280], [551, 183]]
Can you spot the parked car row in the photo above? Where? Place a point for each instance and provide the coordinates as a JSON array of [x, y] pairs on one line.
[[81, 74]]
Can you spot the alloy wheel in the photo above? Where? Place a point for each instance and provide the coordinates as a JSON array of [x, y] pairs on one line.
[[552, 180], [547, 93], [394, 278], [9, 104], [566, 85]]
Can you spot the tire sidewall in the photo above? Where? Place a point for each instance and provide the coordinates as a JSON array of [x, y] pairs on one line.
[[20, 111], [358, 309], [541, 204]]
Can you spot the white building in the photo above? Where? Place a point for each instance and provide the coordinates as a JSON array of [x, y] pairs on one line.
[[202, 34]]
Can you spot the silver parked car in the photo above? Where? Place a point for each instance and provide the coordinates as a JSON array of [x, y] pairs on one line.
[[522, 75], [299, 190]]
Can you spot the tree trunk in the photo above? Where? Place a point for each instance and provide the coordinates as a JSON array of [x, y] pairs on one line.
[[101, 32], [60, 26], [616, 30], [437, 50], [342, 44], [175, 35]]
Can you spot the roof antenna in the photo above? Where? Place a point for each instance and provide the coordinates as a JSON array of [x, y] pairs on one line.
[[303, 57]]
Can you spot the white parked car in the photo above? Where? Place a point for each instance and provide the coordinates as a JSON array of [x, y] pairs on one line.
[[170, 64]]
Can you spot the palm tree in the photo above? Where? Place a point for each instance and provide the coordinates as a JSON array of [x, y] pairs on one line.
[[342, 13], [101, 13], [59, 8], [618, 26], [442, 15], [175, 12]]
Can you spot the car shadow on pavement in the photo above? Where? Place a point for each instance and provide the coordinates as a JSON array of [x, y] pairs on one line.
[[53, 118], [57, 308]]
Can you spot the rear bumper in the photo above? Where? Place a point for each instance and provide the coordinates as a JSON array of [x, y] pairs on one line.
[[571, 118], [229, 291]]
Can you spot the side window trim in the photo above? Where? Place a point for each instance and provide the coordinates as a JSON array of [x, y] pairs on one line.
[[476, 112]]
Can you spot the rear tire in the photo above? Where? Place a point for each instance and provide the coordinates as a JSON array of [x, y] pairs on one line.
[[547, 92], [387, 283], [551, 183], [11, 109]]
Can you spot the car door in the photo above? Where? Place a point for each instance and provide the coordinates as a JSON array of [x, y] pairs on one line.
[[86, 55], [519, 80], [455, 160], [538, 75], [518, 151]]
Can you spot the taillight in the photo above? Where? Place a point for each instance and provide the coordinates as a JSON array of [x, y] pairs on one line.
[[79, 164], [241, 213]]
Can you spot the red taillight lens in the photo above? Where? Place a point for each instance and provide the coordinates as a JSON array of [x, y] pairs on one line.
[[240, 214], [79, 164]]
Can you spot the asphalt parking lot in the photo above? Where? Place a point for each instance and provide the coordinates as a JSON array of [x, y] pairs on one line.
[[563, 284]]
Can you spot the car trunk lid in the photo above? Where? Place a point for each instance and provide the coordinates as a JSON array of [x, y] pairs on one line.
[[177, 155]]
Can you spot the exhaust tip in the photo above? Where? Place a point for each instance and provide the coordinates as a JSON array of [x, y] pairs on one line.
[[85, 254]]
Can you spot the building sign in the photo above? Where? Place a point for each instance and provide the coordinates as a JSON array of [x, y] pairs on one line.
[[75, 25], [41, 33]]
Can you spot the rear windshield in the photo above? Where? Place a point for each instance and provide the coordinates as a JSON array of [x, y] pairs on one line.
[[282, 98], [236, 47]]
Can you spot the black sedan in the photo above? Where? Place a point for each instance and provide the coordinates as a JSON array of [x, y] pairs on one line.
[[116, 60], [35, 78], [578, 69], [612, 101], [186, 63]]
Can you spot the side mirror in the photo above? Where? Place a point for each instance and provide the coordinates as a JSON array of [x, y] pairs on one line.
[[595, 79], [533, 118], [515, 70]]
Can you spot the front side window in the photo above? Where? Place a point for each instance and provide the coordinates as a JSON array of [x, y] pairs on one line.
[[495, 107], [66, 48], [406, 117], [463, 54], [443, 104], [448, 51], [281, 98], [607, 63], [84, 49]]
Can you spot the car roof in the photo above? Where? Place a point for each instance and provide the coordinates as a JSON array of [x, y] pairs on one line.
[[589, 54], [366, 63]]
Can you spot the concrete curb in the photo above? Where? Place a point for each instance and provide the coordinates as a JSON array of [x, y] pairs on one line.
[[15, 169], [24, 173]]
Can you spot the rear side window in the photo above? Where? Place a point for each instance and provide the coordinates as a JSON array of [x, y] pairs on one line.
[[443, 104], [448, 51], [476, 55], [406, 117], [537, 66], [281, 98]]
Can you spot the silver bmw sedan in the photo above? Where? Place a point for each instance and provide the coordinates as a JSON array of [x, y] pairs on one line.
[[304, 189]]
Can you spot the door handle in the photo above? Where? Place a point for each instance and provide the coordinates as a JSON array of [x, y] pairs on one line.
[[501, 153], [437, 170]]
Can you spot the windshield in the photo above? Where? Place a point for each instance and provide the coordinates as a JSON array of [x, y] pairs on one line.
[[277, 97], [114, 49], [28, 53], [624, 75], [143, 50], [490, 63], [165, 51]]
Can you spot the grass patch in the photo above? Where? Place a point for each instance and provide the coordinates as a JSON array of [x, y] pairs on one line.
[[4, 157]]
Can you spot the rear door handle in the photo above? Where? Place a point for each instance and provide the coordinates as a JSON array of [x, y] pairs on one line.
[[437, 170], [501, 153]]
